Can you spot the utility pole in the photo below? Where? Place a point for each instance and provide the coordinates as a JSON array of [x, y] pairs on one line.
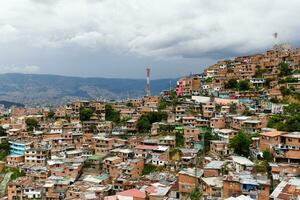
[[275, 35], [148, 82]]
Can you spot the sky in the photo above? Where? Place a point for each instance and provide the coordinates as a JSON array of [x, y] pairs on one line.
[[120, 38]]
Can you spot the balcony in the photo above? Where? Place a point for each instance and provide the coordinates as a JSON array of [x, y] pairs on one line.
[[286, 147]]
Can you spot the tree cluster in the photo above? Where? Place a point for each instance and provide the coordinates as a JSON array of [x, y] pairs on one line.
[[51, 114], [145, 122], [241, 143], [111, 114], [242, 85], [196, 194], [179, 139], [148, 169], [85, 114], [284, 69], [208, 137], [2, 131], [162, 104], [31, 123], [289, 121], [259, 72]]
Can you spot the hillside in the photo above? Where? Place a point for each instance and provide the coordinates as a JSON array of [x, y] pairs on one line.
[[8, 104], [34, 89]]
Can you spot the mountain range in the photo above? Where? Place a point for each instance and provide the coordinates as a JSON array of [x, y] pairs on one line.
[[44, 89]]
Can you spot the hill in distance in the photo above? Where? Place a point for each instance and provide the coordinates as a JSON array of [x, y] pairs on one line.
[[8, 104], [41, 89]]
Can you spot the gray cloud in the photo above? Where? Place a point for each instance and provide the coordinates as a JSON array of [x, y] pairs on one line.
[[151, 29]]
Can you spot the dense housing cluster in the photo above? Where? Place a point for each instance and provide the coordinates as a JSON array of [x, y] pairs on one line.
[[231, 132], [270, 74]]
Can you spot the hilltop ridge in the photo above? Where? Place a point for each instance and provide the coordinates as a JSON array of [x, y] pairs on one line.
[[44, 89], [273, 74]]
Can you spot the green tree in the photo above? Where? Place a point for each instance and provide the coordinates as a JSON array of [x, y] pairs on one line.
[[17, 173], [292, 123], [275, 120], [267, 82], [124, 120], [259, 72], [274, 100], [179, 139], [284, 69], [208, 137], [156, 116], [2, 131], [285, 91], [93, 128], [267, 155], [31, 123], [148, 169], [243, 85], [196, 194], [233, 108], [208, 80], [111, 114], [166, 128], [247, 112], [51, 114], [129, 104], [261, 167], [241, 143], [4, 149], [85, 114], [288, 80], [68, 118], [231, 84], [162, 104], [289, 121], [292, 109], [145, 122]]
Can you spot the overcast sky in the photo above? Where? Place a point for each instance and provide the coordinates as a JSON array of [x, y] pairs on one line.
[[119, 38]]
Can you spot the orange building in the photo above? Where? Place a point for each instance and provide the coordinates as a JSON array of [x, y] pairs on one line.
[[268, 139], [191, 135], [24, 188], [289, 148], [188, 180], [217, 122]]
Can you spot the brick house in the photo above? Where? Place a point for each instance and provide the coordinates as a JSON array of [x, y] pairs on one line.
[[36, 156], [268, 139], [191, 135], [15, 160], [217, 122], [246, 184], [214, 168], [212, 187], [103, 144], [219, 148], [24, 188], [289, 148], [188, 180]]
